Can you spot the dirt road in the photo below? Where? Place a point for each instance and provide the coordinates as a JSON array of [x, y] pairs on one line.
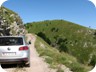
[[37, 63]]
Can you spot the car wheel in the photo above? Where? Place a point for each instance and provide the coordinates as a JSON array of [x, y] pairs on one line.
[[27, 65]]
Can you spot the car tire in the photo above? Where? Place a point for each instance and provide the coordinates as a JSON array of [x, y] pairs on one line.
[[27, 65]]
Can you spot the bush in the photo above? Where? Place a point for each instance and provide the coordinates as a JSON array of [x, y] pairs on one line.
[[77, 68], [42, 35]]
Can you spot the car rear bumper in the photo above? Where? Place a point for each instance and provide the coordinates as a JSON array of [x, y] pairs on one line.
[[14, 61]]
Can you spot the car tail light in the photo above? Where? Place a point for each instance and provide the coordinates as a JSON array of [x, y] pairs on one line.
[[23, 48]]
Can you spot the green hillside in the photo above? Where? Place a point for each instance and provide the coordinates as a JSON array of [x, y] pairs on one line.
[[67, 37], [58, 60]]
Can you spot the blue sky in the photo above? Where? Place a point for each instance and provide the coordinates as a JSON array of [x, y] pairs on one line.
[[81, 12]]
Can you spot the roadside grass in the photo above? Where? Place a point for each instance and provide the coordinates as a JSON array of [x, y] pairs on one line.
[[54, 58]]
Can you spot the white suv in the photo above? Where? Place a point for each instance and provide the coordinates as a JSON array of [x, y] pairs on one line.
[[14, 49]]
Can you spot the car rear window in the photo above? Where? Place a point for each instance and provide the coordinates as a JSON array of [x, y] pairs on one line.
[[4, 41]]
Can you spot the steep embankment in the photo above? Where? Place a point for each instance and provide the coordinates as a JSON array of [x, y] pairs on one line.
[[62, 62], [10, 23], [67, 37]]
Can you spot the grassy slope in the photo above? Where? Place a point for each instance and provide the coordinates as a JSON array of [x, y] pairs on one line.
[[74, 39], [55, 58]]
